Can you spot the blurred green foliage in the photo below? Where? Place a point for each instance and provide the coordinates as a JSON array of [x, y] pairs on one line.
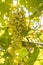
[[17, 29]]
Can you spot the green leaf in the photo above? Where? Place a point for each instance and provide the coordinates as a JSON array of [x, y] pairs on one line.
[[5, 40], [8, 1], [4, 8], [23, 52]]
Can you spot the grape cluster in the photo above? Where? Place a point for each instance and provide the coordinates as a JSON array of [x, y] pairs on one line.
[[18, 21]]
